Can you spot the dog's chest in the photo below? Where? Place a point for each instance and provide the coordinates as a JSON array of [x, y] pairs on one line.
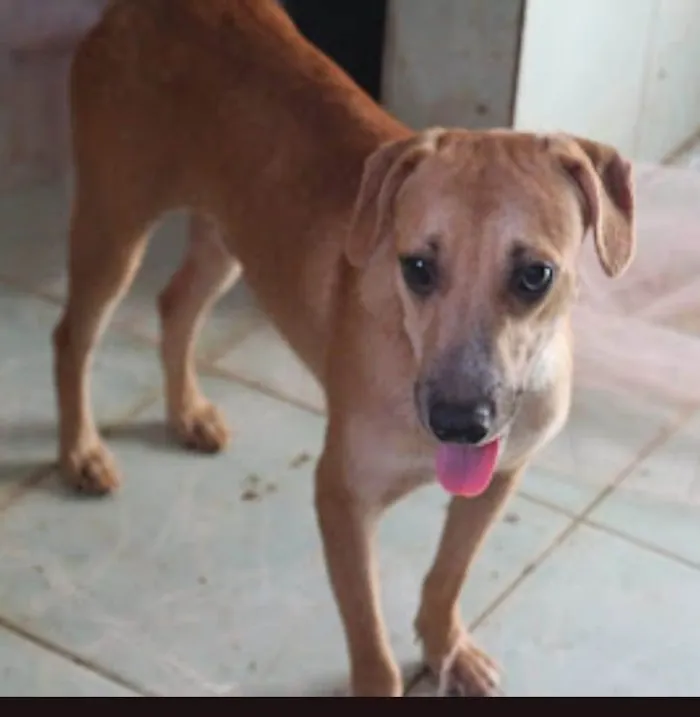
[[387, 463]]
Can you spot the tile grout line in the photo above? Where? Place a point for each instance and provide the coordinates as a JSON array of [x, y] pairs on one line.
[[148, 397], [642, 544], [65, 654], [25, 484], [542, 503], [655, 443], [213, 371], [610, 530]]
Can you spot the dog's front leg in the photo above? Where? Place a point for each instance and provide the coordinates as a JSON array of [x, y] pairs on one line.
[[449, 651], [348, 531]]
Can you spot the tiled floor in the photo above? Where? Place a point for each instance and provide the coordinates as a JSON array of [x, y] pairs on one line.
[[204, 576]]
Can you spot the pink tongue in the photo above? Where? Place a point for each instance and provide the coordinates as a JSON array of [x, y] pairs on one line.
[[466, 470]]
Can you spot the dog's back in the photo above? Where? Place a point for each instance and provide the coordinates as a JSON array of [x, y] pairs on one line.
[[165, 80], [148, 82]]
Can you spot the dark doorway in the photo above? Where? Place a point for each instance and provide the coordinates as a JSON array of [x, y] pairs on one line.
[[349, 31]]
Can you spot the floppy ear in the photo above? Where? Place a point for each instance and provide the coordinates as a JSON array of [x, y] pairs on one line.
[[604, 179], [385, 172]]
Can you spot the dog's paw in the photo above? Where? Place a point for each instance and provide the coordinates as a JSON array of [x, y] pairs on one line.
[[91, 471], [468, 672], [202, 429]]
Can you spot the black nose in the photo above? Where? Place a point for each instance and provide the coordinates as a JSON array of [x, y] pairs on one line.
[[461, 423]]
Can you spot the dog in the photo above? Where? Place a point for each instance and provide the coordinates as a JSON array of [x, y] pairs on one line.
[[424, 278]]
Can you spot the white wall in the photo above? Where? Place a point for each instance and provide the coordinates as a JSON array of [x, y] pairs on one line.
[[452, 62], [671, 105], [582, 67], [625, 72]]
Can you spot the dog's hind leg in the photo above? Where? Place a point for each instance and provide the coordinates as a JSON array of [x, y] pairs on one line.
[[206, 274], [107, 243]]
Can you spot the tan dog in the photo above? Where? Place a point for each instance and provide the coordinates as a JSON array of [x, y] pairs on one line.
[[425, 279]]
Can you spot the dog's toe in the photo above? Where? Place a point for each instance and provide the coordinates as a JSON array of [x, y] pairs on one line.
[[202, 429], [92, 471], [468, 672]]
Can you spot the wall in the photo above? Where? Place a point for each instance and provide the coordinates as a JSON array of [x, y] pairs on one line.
[[37, 38], [622, 71], [452, 62], [625, 72], [670, 111]]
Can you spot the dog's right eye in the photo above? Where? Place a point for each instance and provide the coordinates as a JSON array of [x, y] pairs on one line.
[[531, 282], [420, 274]]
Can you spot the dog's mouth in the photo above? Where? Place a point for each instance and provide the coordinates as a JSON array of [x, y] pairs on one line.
[[466, 470]]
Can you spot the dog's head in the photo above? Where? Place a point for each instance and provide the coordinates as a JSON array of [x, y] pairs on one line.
[[478, 233]]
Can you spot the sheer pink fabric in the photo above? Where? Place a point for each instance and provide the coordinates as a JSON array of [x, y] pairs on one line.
[[641, 332], [638, 337]]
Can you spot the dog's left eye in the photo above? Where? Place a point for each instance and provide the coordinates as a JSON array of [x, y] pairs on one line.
[[531, 282], [420, 274]]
